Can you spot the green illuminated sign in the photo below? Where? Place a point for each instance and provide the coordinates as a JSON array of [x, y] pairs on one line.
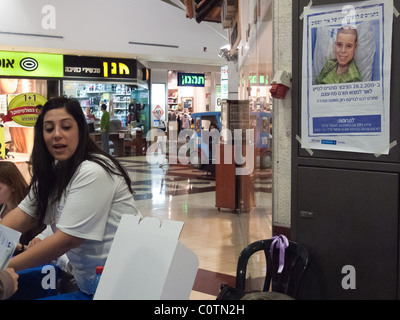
[[23, 64], [191, 80], [255, 80]]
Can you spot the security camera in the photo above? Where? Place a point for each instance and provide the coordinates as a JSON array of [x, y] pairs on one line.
[[225, 52]]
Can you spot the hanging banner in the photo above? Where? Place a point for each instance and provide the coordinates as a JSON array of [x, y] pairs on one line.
[[347, 51]]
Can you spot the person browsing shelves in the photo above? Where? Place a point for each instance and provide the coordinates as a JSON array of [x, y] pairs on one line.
[[105, 128]]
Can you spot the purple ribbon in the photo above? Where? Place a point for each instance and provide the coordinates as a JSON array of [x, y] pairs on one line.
[[281, 243]]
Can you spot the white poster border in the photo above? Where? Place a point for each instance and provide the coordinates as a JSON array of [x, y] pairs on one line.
[[353, 116]]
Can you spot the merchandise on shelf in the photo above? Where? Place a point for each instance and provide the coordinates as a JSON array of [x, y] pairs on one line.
[[92, 95]]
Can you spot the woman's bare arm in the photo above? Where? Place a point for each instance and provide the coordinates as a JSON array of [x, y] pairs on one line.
[[18, 220]]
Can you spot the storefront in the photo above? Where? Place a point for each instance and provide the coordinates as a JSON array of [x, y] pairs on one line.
[[189, 92], [121, 84]]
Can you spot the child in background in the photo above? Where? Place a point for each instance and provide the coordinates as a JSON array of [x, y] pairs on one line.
[[13, 189]]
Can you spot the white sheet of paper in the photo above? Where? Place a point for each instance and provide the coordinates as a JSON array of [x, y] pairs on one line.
[[9, 239]]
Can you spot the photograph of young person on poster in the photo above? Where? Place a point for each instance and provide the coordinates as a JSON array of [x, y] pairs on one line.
[[353, 46], [343, 68]]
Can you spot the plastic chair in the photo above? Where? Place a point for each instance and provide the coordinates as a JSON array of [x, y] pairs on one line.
[[286, 282]]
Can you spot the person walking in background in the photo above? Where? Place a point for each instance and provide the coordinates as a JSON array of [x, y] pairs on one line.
[[105, 128]]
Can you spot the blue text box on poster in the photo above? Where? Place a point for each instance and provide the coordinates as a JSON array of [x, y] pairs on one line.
[[348, 124]]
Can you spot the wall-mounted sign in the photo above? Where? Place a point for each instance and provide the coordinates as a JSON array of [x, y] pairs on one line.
[[191, 79], [97, 67], [347, 50], [158, 102], [22, 64], [158, 112], [22, 109]]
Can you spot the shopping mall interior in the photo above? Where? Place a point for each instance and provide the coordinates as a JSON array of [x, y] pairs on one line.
[[176, 76]]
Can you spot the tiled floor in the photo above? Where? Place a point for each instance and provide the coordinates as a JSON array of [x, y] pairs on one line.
[[182, 193]]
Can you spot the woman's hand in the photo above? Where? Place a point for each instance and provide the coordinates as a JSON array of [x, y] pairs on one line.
[[45, 250]]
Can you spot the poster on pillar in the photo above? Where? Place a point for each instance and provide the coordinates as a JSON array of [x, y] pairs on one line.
[[347, 50]]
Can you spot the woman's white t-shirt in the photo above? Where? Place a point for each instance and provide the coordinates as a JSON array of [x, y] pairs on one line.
[[91, 209]]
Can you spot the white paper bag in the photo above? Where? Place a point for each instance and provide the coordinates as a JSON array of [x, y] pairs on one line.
[[147, 262]]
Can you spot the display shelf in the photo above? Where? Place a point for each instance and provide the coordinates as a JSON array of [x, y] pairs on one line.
[[92, 95], [121, 106], [172, 99]]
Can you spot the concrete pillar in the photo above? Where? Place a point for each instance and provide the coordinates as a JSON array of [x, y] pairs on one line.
[[282, 122]]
